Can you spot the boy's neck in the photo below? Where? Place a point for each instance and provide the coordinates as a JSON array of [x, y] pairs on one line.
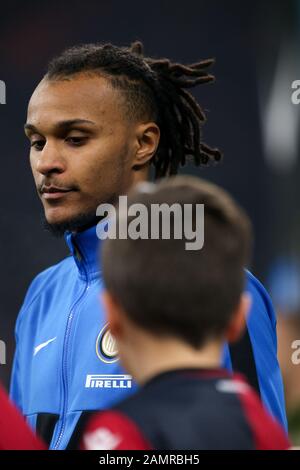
[[149, 357]]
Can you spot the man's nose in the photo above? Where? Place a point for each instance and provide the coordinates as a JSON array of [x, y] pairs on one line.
[[50, 160]]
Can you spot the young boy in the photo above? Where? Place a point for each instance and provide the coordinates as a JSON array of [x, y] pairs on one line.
[[171, 310]]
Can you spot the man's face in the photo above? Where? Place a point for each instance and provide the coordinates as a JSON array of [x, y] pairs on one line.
[[82, 146]]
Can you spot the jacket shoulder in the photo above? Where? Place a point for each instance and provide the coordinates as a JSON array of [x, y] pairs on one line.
[[44, 280]]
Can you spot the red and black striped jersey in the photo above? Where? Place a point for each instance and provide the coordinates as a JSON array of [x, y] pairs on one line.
[[187, 409]]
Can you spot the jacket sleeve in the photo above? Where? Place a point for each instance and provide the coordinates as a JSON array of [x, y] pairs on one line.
[[17, 370], [261, 325], [262, 331], [15, 385]]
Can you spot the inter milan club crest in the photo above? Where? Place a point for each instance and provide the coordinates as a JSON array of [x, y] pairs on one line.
[[106, 346]]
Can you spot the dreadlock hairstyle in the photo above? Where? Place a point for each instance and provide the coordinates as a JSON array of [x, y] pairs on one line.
[[156, 88]]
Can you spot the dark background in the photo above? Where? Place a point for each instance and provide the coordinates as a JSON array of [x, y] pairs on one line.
[[255, 44]]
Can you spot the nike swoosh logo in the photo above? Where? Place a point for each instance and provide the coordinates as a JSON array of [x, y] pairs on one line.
[[43, 345]]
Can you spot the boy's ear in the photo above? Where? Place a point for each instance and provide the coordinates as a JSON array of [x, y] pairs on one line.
[[113, 314], [238, 321]]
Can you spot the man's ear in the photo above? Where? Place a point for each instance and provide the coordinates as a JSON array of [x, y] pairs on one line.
[[147, 137], [113, 314], [238, 320]]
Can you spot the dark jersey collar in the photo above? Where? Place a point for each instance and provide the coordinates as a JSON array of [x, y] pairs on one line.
[[209, 373]]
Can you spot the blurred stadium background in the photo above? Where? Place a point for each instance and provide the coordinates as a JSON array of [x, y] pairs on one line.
[[250, 118]]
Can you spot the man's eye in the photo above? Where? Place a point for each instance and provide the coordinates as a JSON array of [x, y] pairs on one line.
[[37, 144], [76, 141]]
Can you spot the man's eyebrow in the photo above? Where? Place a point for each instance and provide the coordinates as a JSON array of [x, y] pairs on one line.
[[61, 124]]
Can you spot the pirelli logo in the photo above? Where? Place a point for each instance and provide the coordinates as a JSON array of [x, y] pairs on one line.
[[108, 381]]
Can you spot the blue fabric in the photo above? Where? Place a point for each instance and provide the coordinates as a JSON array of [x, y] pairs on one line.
[[58, 344]]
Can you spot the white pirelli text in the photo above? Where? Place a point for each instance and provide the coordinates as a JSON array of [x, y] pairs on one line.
[[108, 381]]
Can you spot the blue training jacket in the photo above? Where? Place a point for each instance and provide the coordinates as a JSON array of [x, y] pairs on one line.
[[66, 363]]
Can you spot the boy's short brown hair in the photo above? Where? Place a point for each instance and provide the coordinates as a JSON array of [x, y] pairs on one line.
[[170, 291]]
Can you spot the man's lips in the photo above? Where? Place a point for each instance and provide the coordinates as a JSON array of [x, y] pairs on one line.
[[54, 192]]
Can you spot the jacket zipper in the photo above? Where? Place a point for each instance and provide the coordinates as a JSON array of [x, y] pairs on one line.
[[65, 360]]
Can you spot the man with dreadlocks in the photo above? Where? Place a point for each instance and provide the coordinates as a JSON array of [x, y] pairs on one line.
[[98, 120]]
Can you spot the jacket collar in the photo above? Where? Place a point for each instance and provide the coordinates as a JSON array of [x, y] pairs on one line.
[[84, 247]]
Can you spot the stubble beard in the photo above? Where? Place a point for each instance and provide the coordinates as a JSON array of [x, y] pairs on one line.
[[78, 223]]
